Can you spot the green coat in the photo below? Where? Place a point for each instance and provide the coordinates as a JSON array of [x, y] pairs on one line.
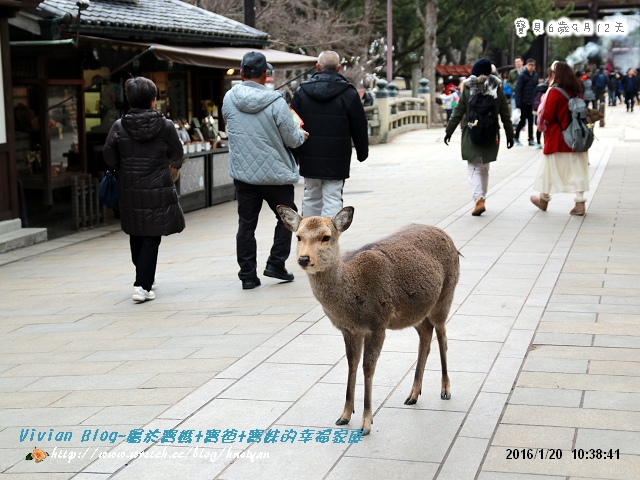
[[470, 151]]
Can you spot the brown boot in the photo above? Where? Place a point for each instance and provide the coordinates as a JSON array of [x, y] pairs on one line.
[[578, 209], [541, 203], [479, 208]]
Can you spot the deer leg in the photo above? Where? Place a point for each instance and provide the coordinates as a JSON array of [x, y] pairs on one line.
[[441, 333], [353, 347], [372, 345], [425, 332]]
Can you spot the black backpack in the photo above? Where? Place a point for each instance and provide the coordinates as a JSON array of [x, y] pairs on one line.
[[483, 121]]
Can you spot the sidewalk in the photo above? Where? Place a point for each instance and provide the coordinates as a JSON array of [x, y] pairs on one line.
[[544, 346]]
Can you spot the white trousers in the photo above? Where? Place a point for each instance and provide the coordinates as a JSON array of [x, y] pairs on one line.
[[322, 198], [478, 179]]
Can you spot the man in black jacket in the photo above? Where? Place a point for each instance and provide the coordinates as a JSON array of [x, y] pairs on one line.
[[333, 115], [525, 93]]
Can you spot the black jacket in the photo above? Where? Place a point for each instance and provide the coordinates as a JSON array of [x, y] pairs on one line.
[[140, 147], [526, 87], [333, 115]]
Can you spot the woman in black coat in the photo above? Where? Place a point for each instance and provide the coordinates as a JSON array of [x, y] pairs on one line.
[[141, 147]]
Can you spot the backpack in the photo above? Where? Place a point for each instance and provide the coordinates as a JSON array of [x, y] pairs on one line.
[[506, 88], [579, 133], [601, 81], [483, 122]]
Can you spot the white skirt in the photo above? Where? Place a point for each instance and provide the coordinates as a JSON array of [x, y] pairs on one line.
[[563, 172]]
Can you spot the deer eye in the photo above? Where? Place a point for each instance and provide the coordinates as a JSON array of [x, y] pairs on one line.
[[298, 237], [326, 238]]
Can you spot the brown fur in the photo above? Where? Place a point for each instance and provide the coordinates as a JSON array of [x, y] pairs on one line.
[[404, 280]]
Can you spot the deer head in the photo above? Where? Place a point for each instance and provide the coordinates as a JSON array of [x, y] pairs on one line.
[[317, 237]]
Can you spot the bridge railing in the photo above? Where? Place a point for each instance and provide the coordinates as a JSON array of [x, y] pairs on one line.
[[391, 115]]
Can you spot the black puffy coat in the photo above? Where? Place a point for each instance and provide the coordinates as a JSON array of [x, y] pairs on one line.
[[333, 115], [140, 147], [526, 88]]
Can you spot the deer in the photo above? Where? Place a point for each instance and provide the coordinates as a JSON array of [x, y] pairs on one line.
[[406, 279]]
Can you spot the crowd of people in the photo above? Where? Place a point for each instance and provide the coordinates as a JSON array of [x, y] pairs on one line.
[[269, 148], [542, 105]]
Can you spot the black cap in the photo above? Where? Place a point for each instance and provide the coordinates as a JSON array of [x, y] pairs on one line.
[[254, 63], [481, 67]]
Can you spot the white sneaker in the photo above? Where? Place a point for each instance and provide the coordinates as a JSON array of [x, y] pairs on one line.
[[141, 295]]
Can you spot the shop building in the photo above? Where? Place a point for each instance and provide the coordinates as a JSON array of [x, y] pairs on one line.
[[69, 62]]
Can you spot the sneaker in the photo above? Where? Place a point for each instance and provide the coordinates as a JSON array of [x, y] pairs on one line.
[[280, 273], [532, 143], [141, 295], [538, 145], [516, 142]]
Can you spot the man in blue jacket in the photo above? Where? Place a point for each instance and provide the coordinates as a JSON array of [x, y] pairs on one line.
[[261, 130], [333, 114]]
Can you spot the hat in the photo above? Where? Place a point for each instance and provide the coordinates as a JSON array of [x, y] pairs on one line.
[[254, 63], [481, 67]]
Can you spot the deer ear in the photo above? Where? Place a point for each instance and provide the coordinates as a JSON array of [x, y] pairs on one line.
[[342, 220], [289, 217]]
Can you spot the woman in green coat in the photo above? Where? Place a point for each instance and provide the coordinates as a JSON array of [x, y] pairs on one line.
[[479, 156]]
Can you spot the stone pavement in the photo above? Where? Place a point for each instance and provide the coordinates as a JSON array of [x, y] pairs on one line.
[[544, 345]]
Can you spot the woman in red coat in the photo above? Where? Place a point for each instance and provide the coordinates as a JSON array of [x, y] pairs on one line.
[[562, 169]]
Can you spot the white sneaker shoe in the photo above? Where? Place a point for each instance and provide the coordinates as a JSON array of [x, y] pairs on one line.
[[141, 295]]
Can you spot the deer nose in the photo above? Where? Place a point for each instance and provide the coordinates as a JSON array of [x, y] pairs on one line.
[[303, 261]]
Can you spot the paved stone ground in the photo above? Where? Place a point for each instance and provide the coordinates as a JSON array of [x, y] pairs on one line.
[[544, 349]]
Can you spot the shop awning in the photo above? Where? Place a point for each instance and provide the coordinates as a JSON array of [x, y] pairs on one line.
[[230, 57], [454, 70], [214, 57]]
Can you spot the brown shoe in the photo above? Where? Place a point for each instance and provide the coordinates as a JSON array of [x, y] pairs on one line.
[[541, 203], [479, 208], [578, 209]]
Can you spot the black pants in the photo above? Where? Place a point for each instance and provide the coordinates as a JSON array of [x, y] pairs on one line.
[[250, 198], [526, 116], [629, 100], [144, 254]]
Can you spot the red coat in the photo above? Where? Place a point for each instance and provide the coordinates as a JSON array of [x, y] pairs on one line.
[[556, 113]]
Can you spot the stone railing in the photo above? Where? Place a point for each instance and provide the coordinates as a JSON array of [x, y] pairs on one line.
[[392, 115]]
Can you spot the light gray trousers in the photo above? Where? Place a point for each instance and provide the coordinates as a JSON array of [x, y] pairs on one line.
[[478, 179], [322, 197]]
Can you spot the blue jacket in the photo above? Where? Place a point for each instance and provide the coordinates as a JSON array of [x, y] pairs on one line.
[[260, 127]]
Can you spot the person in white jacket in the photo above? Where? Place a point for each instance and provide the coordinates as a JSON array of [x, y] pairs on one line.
[[261, 131]]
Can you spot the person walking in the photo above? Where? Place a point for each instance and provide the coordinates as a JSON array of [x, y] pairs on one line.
[[589, 95], [525, 93], [562, 169], [261, 131], [334, 116], [612, 87], [142, 147], [630, 89], [512, 79], [600, 81], [479, 157]]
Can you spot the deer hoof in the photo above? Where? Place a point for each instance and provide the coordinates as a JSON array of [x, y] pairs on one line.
[[445, 396], [342, 421], [411, 401], [364, 431]]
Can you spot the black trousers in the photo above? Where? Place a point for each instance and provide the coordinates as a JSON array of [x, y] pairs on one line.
[[250, 198], [144, 254], [526, 116]]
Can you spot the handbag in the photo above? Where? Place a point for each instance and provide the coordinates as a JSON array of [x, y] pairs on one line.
[[108, 191]]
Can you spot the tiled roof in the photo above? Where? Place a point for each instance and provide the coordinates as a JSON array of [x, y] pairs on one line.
[[156, 19]]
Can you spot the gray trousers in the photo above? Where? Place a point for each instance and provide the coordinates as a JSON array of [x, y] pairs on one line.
[[478, 179], [322, 198]]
